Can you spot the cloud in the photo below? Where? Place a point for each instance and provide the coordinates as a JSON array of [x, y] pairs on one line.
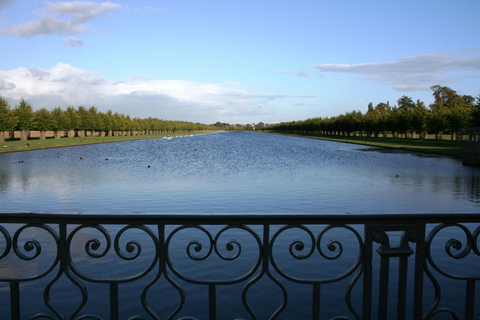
[[65, 85], [146, 9], [6, 3], [74, 42], [411, 73], [304, 74], [62, 18]]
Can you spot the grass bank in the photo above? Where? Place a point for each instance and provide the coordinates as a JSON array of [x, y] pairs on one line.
[[15, 145], [429, 145]]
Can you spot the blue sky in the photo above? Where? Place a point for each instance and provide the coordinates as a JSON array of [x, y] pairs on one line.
[[235, 61]]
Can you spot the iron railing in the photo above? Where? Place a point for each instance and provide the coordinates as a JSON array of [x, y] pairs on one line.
[[414, 266]]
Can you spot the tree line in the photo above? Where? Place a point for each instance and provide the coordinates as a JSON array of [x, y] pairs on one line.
[[77, 121], [450, 113]]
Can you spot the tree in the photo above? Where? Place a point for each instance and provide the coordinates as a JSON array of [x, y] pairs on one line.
[[405, 103], [437, 120], [60, 121], [25, 120], [419, 119], [8, 120], [459, 116], [443, 95], [73, 119], [43, 122]]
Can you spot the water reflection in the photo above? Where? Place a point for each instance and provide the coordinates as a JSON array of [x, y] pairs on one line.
[[234, 172]]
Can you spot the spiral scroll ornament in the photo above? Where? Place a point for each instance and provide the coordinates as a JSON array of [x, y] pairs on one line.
[[455, 249], [334, 250], [218, 246]]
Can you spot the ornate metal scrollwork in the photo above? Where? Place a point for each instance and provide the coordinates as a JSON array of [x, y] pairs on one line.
[[335, 247], [95, 250], [197, 250], [30, 249], [455, 249]]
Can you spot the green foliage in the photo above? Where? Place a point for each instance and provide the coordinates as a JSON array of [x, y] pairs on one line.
[[43, 120], [24, 114], [81, 118], [450, 113], [60, 119], [8, 119]]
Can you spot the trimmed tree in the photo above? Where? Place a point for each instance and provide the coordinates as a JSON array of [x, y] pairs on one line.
[[43, 122], [60, 121], [25, 119], [7, 118]]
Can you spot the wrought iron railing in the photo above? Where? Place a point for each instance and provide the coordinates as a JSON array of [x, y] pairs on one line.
[[64, 266]]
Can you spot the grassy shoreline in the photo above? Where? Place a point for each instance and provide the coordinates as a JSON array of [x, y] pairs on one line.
[[49, 143], [440, 147]]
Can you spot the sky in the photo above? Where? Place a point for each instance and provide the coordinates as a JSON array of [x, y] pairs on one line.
[[235, 61]]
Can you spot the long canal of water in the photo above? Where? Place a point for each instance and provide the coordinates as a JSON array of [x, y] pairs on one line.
[[234, 172]]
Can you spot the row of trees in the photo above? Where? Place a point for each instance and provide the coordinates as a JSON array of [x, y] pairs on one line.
[[450, 112], [78, 120]]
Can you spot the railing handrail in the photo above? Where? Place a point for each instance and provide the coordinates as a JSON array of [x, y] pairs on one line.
[[212, 219]]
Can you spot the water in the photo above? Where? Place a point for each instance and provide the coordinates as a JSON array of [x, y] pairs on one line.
[[234, 172]]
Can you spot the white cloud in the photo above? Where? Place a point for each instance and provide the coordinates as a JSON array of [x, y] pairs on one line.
[[412, 73], [146, 9], [65, 85], [62, 18], [74, 42]]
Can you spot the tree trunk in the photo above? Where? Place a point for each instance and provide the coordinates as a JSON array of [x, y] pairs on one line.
[[42, 135], [81, 133], [23, 135], [2, 136]]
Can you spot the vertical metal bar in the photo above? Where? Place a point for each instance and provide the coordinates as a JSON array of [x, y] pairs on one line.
[[316, 301], [470, 299], [367, 275], [212, 301], [420, 261], [383, 291], [266, 245], [162, 252], [113, 300], [402, 287], [15, 300]]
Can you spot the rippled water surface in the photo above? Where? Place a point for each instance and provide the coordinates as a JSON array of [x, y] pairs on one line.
[[234, 172]]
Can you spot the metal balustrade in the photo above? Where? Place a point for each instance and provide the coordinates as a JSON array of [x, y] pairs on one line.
[[74, 266]]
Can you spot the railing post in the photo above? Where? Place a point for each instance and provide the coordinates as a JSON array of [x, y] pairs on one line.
[[15, 300], [420, 261], [367, 274], [114, 300], [212, 301]]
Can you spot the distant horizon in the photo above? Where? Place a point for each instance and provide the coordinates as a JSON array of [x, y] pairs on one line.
[[238, 62]]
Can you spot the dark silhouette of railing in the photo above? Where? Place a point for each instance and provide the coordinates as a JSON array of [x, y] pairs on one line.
[[412, 266]]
